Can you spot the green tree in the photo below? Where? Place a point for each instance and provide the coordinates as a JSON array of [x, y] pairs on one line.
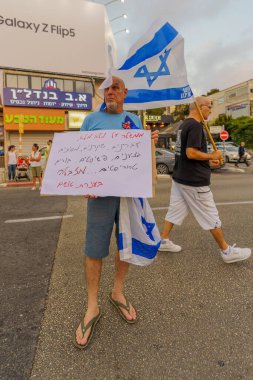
[[240, 129], [212, 91], [181, 111], [156, 111]]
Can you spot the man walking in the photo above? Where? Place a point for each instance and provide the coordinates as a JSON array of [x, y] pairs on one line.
[[242, 155], [190, 185], [102, 213]]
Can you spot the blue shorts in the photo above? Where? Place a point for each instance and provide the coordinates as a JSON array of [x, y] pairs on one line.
[[102, 213]]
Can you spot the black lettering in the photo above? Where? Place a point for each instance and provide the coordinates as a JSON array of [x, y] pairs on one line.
[[29, 25], [72, 32], [45, 26]]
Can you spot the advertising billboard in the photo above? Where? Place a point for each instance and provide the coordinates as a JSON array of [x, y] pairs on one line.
[[68, 37]]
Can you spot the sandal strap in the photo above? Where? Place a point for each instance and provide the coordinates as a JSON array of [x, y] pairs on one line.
[[126, 307], [84, 327]]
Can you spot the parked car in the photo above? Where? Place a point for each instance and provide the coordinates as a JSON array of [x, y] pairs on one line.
[[165, 161], [231, 153]]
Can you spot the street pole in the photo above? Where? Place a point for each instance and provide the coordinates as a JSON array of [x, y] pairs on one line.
[[21, 131]]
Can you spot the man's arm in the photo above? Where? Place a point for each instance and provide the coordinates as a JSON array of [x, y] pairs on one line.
[[196, 154]]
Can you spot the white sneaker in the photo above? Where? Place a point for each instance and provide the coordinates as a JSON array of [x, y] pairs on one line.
[[236, 254], [33, 188], [168, 246]]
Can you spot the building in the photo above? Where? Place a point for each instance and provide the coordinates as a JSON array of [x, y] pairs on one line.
[[36, 105], [50, 70], [234, 101]]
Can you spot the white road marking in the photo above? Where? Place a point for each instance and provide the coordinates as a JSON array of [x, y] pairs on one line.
[[38, 219], [217, 204]]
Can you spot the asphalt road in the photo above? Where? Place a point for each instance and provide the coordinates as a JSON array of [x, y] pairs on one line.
[[27, 252], [195, 312]]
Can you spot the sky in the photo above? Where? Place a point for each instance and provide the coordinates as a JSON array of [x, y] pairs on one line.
[[218, 36]]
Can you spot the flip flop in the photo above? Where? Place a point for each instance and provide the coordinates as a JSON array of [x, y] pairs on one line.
[[92, 323], [119, 305]]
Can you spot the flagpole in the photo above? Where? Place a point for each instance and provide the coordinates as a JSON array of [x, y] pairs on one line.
[[206, 126], [207, 130], [154, 171]]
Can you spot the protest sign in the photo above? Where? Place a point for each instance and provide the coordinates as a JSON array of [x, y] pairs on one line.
[[102, 163]]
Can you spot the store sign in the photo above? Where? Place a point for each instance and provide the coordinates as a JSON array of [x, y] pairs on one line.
[[46, 98], [34, 119], [153, 118], [70, 37], [216, 128], [76, 119], [236, 107]]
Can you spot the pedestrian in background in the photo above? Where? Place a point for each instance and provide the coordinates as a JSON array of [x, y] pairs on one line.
[[35, 164], [12, 162], [242, 157], [190, 186], [47, 152]]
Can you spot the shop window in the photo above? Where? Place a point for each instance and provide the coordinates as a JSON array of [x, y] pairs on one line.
[[89, 88], [11, 80], [23, 81], [36, 83], [80, 86], [68, 85], [59, 84]]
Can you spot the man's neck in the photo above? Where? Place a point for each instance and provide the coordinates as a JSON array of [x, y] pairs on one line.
[[116, 112], [195, 116]]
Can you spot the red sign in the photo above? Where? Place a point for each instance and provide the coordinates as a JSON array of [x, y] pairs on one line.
[[224, 135]]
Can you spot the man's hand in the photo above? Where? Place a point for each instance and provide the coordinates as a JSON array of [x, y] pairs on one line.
[[90, 196], [216, 155], [154, 136]]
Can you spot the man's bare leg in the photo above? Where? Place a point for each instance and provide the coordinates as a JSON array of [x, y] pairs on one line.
[[219, 237], [167, 227], [121, 270], [92, 269]]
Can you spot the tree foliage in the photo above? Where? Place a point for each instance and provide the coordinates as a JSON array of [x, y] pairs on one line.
[[181, 111], [240, 129], [212, 91]]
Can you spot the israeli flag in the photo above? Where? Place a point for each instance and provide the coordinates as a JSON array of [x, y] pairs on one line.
[[155, 72], [139, 238]]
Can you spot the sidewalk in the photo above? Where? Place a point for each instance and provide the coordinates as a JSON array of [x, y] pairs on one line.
[[195, 315], [16, 184]]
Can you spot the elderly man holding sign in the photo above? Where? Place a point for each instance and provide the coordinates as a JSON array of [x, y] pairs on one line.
[[102, 213]]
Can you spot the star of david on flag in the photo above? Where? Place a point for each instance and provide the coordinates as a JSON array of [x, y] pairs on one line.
[[154, 71]]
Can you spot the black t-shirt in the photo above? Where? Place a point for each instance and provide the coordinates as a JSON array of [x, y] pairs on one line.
[[191, 172]]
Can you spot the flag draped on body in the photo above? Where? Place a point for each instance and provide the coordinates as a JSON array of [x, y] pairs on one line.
[[154, 72], [139, 238]]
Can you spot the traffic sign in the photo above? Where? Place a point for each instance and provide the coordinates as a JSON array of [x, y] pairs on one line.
[[224, 135]]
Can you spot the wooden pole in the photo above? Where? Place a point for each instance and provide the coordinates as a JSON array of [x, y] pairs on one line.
[[154, 172], [207, 130], [206, 126]]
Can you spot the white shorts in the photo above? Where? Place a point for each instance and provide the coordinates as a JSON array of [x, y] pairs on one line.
[[197, 199]]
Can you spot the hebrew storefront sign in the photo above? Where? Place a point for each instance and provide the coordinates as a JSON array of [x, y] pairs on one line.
[[47, 98], [34, 119]]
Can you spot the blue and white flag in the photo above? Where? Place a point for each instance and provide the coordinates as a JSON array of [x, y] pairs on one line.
[[139, 238], [155, 72]]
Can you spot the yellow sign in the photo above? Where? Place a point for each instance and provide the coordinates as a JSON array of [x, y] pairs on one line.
[[76, 119]]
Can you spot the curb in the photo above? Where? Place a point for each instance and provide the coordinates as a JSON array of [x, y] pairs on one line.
[[16, 184]]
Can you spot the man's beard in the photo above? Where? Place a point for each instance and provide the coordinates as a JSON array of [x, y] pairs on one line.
[[112, 106]]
